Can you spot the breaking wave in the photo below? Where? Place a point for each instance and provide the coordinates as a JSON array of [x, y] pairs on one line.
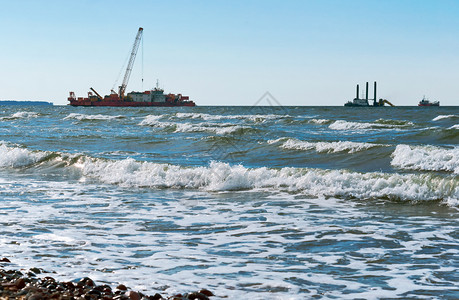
[[320, 121], [324, 147], [217, 128], [379, 124], [440, 117], [208, 117], [15, 157], [21, 115], [150, 120], [219, 176], [396, 123], [426, 158], [83, 117]]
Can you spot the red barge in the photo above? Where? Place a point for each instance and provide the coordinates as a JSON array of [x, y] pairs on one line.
[[425, 102], [154, 97]]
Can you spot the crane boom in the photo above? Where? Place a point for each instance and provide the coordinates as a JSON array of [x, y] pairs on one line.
[[135, 47], [97, 94]]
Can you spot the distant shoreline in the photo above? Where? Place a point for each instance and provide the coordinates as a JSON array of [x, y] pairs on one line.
[[14, 102]]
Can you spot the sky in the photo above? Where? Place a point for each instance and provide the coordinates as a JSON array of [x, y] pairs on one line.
[[222, 52]]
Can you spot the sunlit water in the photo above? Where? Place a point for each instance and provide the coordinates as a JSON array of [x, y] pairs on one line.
[[249, 202]]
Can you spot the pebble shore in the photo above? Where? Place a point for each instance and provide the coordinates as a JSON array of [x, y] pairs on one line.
[[31, 285]]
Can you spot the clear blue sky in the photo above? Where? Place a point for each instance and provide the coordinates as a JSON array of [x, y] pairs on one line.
[[232, 52]]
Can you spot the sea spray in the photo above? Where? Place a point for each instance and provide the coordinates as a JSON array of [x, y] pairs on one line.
[[220, 176], [426, 158], [326, 147], [15, 157]]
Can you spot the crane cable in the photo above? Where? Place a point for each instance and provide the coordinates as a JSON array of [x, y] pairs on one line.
[[142, 63], [121, 70]]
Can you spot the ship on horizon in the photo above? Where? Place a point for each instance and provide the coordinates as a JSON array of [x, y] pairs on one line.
[[426, 102], [153, 97], [360, 102]]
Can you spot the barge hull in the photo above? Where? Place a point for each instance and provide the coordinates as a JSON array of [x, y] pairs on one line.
[[129, 104]]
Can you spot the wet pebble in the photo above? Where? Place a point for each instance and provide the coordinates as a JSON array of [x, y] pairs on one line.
[[133, 295], [16, 285]]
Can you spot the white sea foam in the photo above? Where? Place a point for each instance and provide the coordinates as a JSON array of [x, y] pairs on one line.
[[224, 177], [54, 238], [346, 125], [191, 240], [15, 157], [25, 114], [201, 116], [327, 147], [220, 176], [379, 124], [454, 127], [441, 117], [209, 117], [21, 115], [217, 128], [150, 120], [81, 117], [225, 242], [319, 121], [452, 202], [426, 158]]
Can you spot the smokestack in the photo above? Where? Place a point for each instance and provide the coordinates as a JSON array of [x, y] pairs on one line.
[[366, 95], [357, 94], [375, 92]]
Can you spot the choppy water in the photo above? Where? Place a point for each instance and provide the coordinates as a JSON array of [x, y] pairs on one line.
[[249, 202]]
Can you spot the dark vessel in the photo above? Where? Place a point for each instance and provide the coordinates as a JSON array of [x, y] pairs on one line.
[[359, 102], [154, 97]]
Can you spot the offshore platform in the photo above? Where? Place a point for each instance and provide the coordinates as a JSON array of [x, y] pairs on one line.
[[360, 102]]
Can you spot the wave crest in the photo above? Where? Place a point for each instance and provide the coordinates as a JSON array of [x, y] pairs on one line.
[[320, 121], [150, 120], [441, 117], [216, 128], [15, 157], [220, 176], [84, 117], [324, 147], [21, 115], [378, 124], [208, 117], [426, 158]]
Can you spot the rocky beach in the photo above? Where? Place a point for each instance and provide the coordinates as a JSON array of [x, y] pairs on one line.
[[36, 284]]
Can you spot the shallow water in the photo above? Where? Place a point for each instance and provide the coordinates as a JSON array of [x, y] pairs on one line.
[[249, 202]]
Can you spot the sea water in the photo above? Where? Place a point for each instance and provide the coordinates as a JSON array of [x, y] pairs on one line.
[[248, 202]]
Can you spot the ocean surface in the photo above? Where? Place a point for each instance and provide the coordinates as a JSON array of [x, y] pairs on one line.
[[249, 202]]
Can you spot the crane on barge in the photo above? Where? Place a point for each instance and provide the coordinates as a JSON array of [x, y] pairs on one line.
[[135, 47], [127, 74], [154, 97]]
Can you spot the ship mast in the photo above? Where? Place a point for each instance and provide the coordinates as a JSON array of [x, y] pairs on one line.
[[135, 47]]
